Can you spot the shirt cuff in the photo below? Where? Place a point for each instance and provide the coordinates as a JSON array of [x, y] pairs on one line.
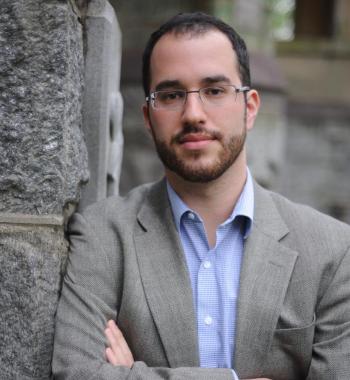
[[234, 376]]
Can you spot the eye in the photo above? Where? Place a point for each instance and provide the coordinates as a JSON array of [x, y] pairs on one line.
[[170, 96], [214, 92]]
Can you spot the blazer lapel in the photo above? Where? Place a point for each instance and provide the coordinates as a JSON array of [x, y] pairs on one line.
[[266, 270], [165, 279]]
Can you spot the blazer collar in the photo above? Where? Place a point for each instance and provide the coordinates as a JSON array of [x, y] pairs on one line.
[[166, 279], [266, 215], [266, 270]]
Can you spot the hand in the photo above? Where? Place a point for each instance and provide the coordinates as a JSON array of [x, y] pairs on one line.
[[118, 352]]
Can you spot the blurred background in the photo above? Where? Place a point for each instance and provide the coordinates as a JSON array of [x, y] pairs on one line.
[[300, 63]]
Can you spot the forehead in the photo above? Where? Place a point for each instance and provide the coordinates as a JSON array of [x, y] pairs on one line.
[[188, 58]]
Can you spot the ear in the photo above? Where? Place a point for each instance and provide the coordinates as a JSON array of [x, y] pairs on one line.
[[146, 117], [253, 105]]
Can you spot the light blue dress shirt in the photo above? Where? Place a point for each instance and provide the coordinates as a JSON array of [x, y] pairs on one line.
[[214, 273]]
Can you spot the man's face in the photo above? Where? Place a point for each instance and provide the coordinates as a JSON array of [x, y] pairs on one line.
[[198, 142]]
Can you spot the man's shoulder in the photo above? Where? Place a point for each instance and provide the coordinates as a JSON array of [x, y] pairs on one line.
[[305, 221], [302, 213], [122, 207]]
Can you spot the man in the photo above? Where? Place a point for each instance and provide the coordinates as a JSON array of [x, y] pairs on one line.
[[204, 271]]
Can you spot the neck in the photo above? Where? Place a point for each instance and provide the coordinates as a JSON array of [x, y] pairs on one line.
[[213, 201]]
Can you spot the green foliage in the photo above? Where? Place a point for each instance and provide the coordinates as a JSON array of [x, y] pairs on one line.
[[281, 18]]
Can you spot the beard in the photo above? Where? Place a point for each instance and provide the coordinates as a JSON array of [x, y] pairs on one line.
[[187, 167]]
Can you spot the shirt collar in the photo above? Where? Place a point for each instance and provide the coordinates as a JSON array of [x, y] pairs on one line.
[[244, 206]]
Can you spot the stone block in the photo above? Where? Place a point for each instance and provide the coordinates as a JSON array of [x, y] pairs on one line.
[[32, 257], [43, 156]]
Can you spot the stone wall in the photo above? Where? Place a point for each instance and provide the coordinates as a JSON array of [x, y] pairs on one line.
[[43, 163]]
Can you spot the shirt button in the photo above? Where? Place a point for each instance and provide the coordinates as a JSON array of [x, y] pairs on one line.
[[208, 320], [207, 264], [191, 215]]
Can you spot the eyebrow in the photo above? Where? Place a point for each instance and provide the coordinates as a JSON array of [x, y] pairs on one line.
[[216, 79], [205, 81], [168, 84]]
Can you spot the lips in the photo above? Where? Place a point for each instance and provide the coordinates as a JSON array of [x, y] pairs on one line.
[[196, 140], [195, 137]]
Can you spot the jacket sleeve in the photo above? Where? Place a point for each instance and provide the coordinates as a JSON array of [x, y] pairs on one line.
[[88, 301]]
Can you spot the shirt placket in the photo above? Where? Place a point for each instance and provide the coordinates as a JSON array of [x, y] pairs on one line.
[[207, 299]]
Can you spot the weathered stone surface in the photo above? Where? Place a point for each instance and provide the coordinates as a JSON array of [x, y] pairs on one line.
[[31, 261], [43, 162], [103, 103], [43, 158]]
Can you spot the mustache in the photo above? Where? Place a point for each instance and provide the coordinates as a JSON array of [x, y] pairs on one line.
[[191, 129]]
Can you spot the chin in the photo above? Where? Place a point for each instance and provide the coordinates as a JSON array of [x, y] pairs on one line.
[[199, 173]]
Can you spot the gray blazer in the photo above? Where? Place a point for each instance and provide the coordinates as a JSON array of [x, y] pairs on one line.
[[126, 263]]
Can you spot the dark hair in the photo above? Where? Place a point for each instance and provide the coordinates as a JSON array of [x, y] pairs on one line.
[[195, 24]]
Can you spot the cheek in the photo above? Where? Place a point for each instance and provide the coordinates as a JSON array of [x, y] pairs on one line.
[[238, 115], [229, 121], [164, 124]]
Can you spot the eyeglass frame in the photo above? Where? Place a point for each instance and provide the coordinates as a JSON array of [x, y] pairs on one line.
[[151, 98]]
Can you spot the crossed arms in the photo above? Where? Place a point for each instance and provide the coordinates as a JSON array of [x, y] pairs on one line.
[[118, 352]]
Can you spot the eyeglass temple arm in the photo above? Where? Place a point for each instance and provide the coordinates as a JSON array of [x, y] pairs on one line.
[[243, 89]]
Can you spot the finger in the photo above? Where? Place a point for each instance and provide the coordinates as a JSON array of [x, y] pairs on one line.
[[110, 356], [118, 355], [118, 345], [119, 338], [122, 343]]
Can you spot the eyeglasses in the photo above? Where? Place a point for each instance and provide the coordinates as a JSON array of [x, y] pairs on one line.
[[212, 96]]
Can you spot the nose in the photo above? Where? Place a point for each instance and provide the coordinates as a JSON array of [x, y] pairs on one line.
[[193, 111]]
